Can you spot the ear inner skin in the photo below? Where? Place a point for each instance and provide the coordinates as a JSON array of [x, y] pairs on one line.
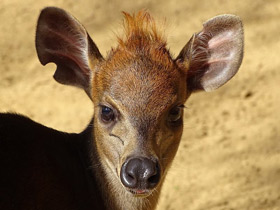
[[61, 39], [214, 55]]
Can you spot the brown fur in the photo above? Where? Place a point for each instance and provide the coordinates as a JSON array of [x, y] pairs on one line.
[[141, 84], [140, 69], [140, 27]]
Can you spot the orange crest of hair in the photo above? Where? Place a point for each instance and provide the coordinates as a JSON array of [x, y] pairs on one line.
[[140, 27], [142, 35]]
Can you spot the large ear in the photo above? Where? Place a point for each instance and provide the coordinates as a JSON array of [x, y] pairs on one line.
[[214, 55], [61, 39]]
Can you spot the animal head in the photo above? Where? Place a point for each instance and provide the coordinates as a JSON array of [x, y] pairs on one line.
[[139, 89]]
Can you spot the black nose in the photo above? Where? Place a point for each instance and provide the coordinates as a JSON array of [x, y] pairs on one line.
[[140, 173]]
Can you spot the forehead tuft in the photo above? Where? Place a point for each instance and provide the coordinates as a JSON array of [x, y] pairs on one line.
[[142, 37], [140, 68], [139, 29]]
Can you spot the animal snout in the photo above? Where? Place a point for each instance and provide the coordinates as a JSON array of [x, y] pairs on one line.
[[140, 173]]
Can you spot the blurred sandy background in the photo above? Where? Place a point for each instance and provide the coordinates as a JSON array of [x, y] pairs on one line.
[[229, 157]]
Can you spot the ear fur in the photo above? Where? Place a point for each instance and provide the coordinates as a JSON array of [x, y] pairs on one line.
[[61, 39], [214, 55]]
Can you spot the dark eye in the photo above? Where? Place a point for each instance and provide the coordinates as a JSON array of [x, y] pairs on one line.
[[107, 114], [175, 114]]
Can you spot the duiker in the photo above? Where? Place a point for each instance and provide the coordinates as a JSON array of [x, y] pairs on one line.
[[138, 91]]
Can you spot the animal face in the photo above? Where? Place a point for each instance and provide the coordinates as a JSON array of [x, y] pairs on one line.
[[139, 90], [138, 104]]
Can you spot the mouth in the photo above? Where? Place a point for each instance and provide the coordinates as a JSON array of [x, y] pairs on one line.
[[140, 192]]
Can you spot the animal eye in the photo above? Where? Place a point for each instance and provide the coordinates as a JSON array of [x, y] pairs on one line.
[[175, 114], [107, 114]]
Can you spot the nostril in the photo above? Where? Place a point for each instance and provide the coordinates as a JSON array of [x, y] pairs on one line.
[[129, 174], [154, 178]]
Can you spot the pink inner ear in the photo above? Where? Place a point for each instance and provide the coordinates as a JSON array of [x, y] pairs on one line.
[[221, 48], [220, 57], [214, 55], [219, 39]]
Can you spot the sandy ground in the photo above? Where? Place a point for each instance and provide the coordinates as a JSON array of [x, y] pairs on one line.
[[229, 157]]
